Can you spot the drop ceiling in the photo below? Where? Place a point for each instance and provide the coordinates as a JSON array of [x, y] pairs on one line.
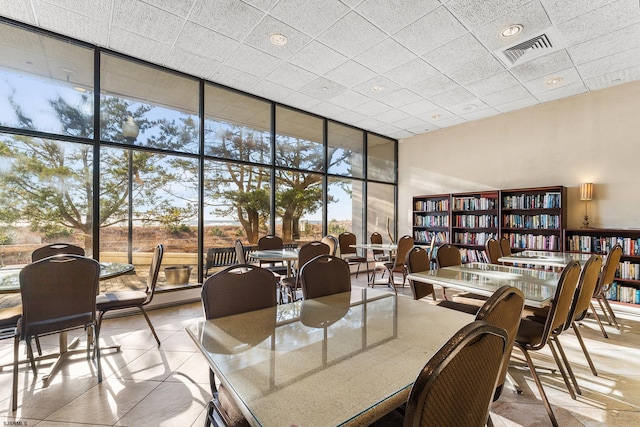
[[397, 68]]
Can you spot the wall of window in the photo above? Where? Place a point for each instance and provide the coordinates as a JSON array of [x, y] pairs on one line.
[[130, 155]]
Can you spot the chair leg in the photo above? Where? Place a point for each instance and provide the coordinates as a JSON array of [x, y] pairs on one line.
[[543, 395], [603, 308], [14, 383], [597, 317], [96, 346], [584, 349], [611, 313], [38, 347], [30, 355], [567, 365], [153, 331]]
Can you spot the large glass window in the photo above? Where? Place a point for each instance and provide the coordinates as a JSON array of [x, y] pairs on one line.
[[381, 216], [346, 147], [237, 127], [163, 107], [345, 207], [299, 140], [298, 205], [381, 159]]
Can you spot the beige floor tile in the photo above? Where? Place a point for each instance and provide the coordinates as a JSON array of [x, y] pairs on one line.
[[153, 365], [195, 370]]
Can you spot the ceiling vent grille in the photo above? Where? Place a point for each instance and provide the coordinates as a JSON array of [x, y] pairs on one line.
[[523, 51]]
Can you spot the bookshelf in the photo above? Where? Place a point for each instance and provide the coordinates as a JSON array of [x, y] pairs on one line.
[[626, 288], [534, 218], [431, 216], [474, 220]]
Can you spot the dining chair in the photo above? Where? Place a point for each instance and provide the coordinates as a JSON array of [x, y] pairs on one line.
[[447, 256], [332, 242], [456, 386], [534, 335], [417, 260], [119, 300], [9, 318], [271, 242], [234, 290], [349, 253], [505, 246], [55, 249], [378, 254], [604, 284], [325, 275], [493, 251], [405, 243], [59, 294], [307, 252]]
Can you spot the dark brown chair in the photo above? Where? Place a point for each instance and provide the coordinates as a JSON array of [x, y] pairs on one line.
[[417, 260], [9, 318], [332, 242], [234, 290], [378, 254], [350, 254], [505, 246], [448, 256], [325, 275], [493, 251], [533, 334], [307, 252], [600, 293], [456, 386], [405, 243], [118, 300], [55, 249], [271, 242], [59, 294]]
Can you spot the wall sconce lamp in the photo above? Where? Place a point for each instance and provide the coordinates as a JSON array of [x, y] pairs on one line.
[[586, 194]]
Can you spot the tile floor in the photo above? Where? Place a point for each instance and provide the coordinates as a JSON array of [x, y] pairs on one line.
[[149, 386]]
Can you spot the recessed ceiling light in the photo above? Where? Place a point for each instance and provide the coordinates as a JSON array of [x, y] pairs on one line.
[[435, 116], [511, 30], [469, 107], [278, 39], [553, 81], [377, 88]]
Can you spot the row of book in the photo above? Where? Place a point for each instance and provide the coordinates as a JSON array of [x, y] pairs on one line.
[[532, 201], [431, 220], [621, 293], [425, 236], [473, 255], [533, 241], [477, 221], [473, 203], [629, 271], [595, 244], [471, 238], [544, 221], [432, 205]]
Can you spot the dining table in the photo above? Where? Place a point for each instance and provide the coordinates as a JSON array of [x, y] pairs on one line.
[[545, 258], [341, 360], [276, 255], [538, 286]]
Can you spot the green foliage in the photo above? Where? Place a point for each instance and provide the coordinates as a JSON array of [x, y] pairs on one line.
[[239, 232], [216, 232], [335, 228], [173, 219], [5, 237], [55, 230]]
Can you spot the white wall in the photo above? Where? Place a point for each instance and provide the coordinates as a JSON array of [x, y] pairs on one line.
[[593, 137]]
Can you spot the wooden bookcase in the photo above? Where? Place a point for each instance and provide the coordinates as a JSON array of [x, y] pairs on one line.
[[626, 288], [534, 218], [474, 220], [431, 218]]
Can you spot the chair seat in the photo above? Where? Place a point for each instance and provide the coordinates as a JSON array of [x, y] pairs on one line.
[[354, 258], [9, 316], [530, 332], [119, 299]]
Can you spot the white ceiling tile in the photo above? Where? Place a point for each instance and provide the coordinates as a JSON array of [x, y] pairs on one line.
[[433, 86], [385, 56], [247, 58], [317, 58], [97, 9], [391, 116], [562, 92], [328, 109], [619, 61], [434, 117], [476, 13], [146, 20], [600, 47], [419, 107], [614, 78], [478, 69], [411, 122], [348, 116], [350, 99], [457, 52], [430, 32], [20, 10], [505, 96], [479, 114], [392, 16], [401, 134], [468, 107], [491, 84], [231, 77], [323, 88], [351, 35], [400, 97], [205, 42], [350, 74], [564, 10], [453, 97], [368, 123], [180, 8], [569, 77], [318, 14], [191, 63], [302, 101], [517, 104], [263, 5], [232, 18], [291, 76], [259, 38], [542, 66], [388, 86], [272, 91], [371, 108], [451, 122], [74, 24], [412, 72], [139, 46], [422, 128]]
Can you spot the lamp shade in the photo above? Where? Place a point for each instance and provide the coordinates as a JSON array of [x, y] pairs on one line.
[[586, 191]]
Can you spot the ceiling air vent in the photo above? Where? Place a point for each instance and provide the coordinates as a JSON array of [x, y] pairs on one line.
[[544, 43]]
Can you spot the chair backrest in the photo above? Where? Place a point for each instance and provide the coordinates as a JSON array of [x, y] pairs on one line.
[[239, 252], [310, 250], [505, 246], [376, 239], [504, 310], [270, 242], [447, 256], [456, 386], [332, 242], [492, 248], [238, 289], [56, 249], [609, 269], [58, 293], [405, 243], [325, 275], [586, 286], [560, 303], [345, 240], [417, 260], [154, 270]]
